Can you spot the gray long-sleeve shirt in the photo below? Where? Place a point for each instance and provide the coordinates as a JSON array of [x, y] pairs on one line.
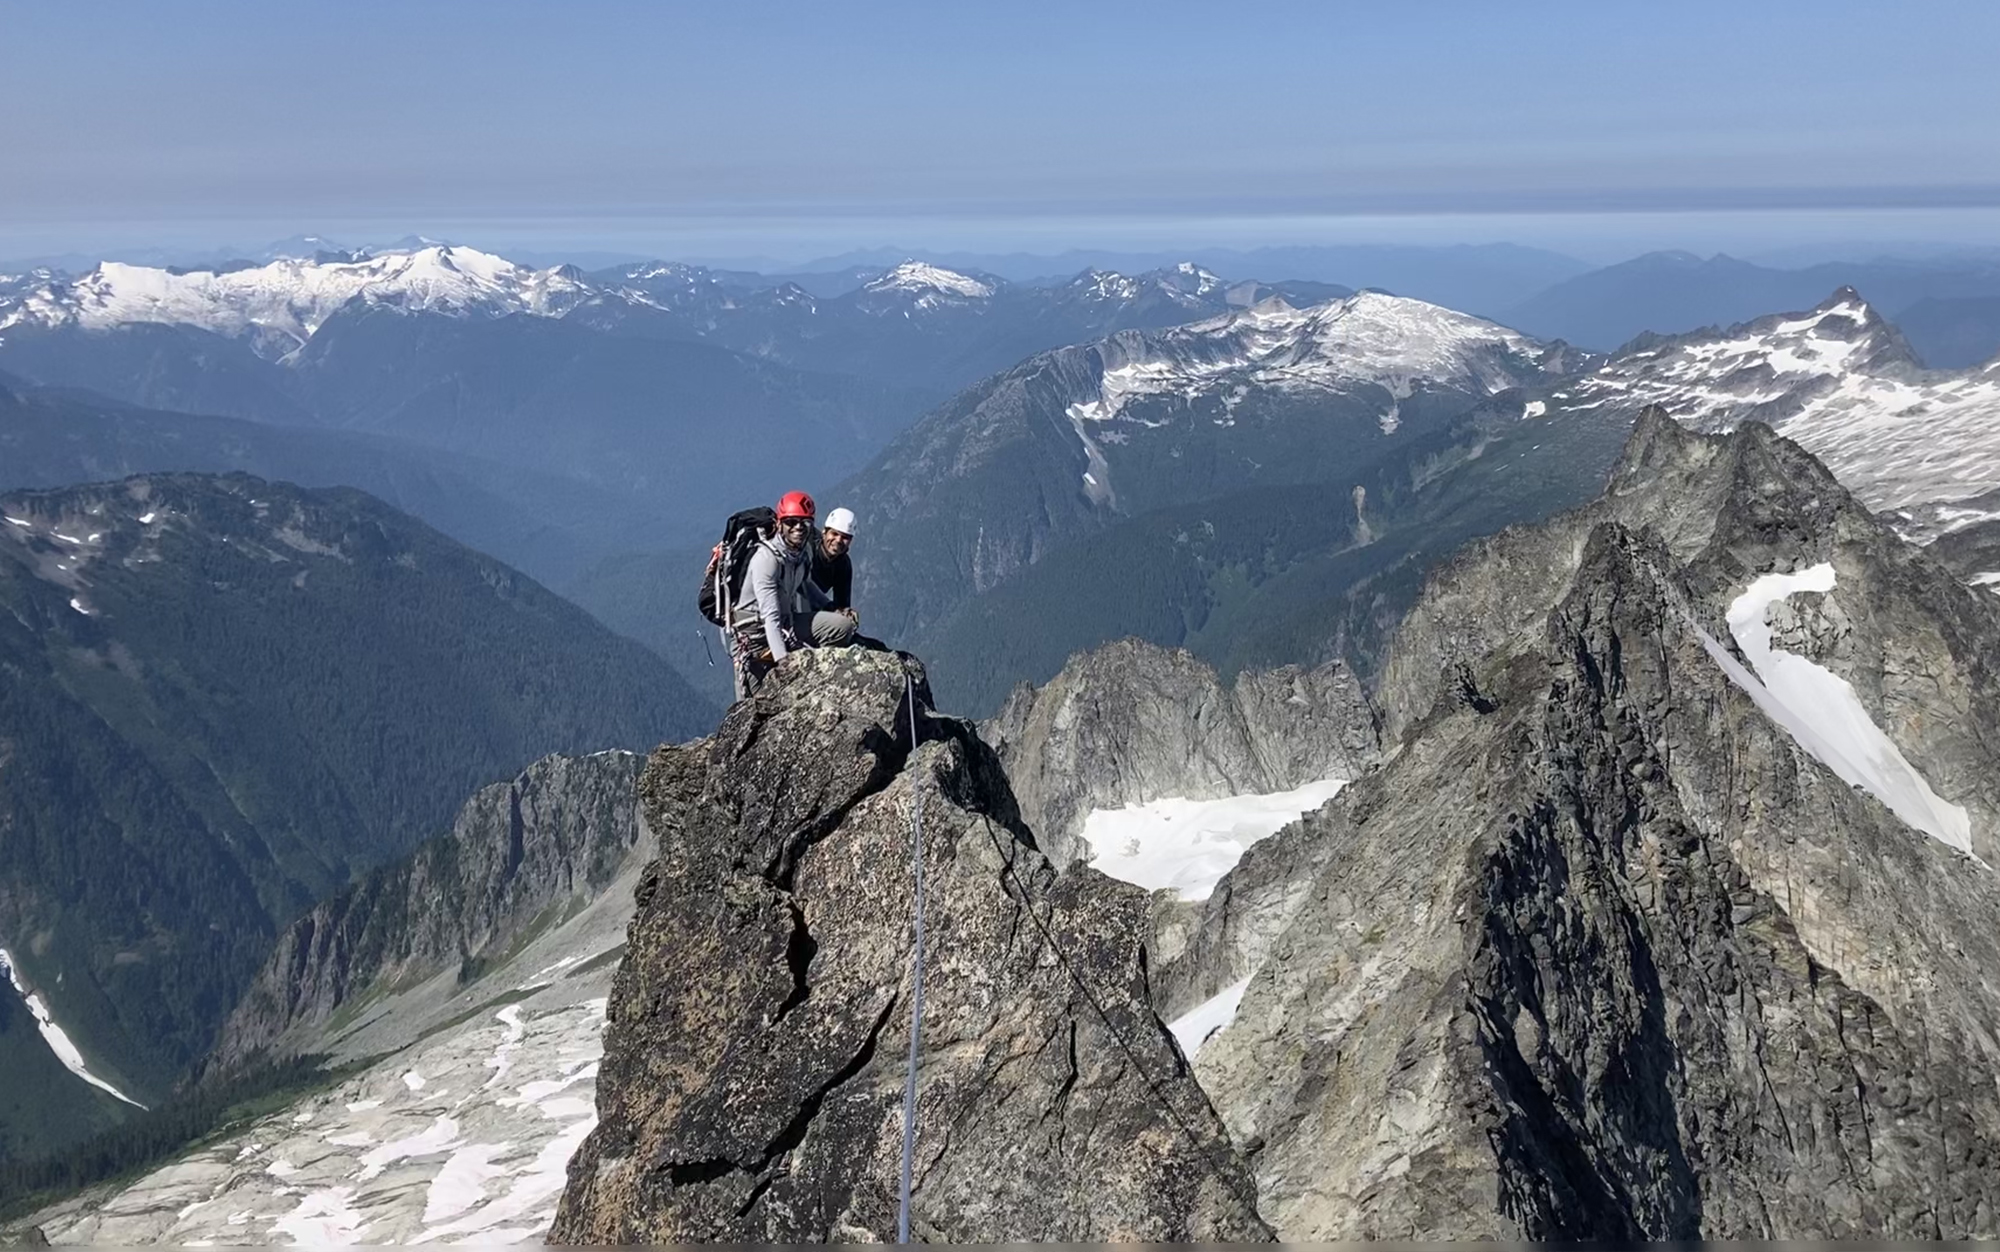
[[777, 578]]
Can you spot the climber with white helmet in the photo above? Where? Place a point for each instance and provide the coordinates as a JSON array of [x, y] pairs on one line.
[[833, 569]]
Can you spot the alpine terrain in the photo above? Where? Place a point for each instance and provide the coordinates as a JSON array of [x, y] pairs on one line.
[[1254, 489], [458, 996], [223, 697], [1642, 897], [1659, 917]]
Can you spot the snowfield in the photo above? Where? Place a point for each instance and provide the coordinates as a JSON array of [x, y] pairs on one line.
[[930, 282], [1368, 338], [458, 1129], [474, 1149], [1838, 382], [1824, 716], [1188, 845]]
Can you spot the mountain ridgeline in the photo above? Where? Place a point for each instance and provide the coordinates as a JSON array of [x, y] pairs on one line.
[[223, 698], [519, 856], [1273, 486]]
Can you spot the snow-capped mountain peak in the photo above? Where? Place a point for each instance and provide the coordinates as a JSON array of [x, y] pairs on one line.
[[923, 279], [279, 305], [1838, 379], [1369, 338], [1190, 278]]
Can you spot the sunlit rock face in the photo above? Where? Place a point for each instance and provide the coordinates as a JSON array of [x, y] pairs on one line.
[[752, 1082]]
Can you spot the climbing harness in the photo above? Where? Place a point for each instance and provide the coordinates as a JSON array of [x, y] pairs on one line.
[[916, 973]]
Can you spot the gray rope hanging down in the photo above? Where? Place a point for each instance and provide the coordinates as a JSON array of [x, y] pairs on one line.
[[916, 974]]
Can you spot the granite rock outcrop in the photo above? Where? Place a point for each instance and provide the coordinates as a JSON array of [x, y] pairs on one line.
[[518, 856], [1604, 950], [752, 1083]]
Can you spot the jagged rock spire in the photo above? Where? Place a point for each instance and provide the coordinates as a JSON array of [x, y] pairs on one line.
[[751, 1086]]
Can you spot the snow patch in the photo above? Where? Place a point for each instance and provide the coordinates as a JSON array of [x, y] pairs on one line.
[[1534, 408], [542, 1180], [1821, 712], [322, 1219], [502, 1059], [440, 1136], [54, 1035], [1204, 1021], [461, 1184], [1188, 845]]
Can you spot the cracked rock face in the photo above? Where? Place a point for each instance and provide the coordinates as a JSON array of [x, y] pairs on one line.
[[1601, 951], [1133, 722], [752, 1081], [519, 852]]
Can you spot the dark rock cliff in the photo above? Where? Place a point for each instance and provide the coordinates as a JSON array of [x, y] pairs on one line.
[[518, 854], [753, 1074], [1601, 951]]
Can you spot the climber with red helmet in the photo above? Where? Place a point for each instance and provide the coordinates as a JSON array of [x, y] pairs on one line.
[[780, 608]]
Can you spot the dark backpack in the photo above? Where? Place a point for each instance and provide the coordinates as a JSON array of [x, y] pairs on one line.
[[731, 560]]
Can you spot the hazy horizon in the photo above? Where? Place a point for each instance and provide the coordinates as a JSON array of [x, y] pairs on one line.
[[796, 131], [1776, 237]]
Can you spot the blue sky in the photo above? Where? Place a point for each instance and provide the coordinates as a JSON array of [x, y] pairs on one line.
[[808, 126]]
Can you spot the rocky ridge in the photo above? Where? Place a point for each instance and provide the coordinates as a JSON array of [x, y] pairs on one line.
[[752, 1078], [1132, 722], [1603, 950], [519, 857]]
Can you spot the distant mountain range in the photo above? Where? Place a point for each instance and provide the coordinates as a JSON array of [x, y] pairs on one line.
[[1677, 292], [672, 393], [572, 422], [1271, 486], [543, 523]]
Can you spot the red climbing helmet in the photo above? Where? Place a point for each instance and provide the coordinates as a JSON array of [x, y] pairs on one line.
[[795, 504]]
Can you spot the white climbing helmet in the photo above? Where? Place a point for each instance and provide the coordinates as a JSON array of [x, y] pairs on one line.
[[841, 520]]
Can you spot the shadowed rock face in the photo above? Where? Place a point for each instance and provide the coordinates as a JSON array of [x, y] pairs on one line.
[[752, 1081], [1601, 951]]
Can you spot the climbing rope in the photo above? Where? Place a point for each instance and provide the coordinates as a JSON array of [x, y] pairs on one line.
[[1205, 1148], [916, 973]]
